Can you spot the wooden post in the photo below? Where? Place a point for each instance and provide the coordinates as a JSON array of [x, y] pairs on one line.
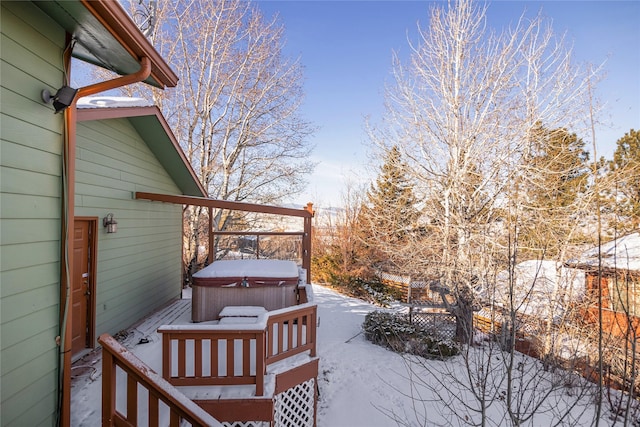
[[260, 362], [108, 388], [312, 326], [166, 356], [306, 242], [211, 238]]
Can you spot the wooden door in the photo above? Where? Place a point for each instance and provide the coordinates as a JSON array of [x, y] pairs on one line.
[[81, 285]]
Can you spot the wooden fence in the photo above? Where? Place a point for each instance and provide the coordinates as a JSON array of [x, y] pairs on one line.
[[416, 292]]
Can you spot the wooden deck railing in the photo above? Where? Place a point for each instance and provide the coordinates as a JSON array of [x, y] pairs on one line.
[[213, 355], [291, 331], [235, 354], [115, 358]]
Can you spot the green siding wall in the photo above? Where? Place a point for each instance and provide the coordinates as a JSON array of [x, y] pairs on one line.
[[31, 48], [139, 267]]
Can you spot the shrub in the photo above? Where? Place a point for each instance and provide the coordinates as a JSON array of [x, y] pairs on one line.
[[371, 290], [397, 333]]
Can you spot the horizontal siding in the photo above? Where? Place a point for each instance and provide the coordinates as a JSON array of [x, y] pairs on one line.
[[139, 267], [40, 38], [30, 207], [24, 304], [30, 229], [126, 151], [31, 48], [20, 330], [30, 277], [46, 77], [31, 406], [18, 181], [126, 158], [29, 158], [33, 371], [29, 381], [31, 110], [25, 255], [37, 138], [37, 344]]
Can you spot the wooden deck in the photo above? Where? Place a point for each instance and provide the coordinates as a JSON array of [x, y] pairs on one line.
[[286, 335]]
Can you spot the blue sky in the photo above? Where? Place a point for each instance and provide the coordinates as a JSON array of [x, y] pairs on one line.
[[346, 48]]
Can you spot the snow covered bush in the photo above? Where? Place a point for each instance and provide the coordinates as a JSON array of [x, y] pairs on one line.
[[396, 332]]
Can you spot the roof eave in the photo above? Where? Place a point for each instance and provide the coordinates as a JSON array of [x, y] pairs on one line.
[[117, 21], [106, 36]]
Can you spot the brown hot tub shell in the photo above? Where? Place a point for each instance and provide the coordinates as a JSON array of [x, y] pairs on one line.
[[272, 284]]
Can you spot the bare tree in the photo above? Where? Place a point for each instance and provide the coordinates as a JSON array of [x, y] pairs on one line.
[[463, 113], [235, 110], [337, 250]]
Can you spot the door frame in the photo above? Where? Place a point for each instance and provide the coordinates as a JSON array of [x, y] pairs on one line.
[[93, 262]]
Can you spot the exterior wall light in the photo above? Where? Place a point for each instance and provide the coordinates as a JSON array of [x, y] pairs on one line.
[[109, 223], [62, 99]]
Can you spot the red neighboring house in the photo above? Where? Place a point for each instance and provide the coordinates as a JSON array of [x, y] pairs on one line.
[[617, 268]]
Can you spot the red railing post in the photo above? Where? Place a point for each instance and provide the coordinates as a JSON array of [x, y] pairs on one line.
[[312, 330], [108, 389], [166, 356], [261, 368]]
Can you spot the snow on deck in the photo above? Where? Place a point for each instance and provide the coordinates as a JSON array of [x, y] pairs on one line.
[[360, 384], [242, 311], [146, 344]]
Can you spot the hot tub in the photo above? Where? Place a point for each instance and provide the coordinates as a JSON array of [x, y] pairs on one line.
[[267, 283]]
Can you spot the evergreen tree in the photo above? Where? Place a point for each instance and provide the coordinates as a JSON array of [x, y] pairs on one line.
[[556, 174], [625, 168], [389, 216], [560, 160]]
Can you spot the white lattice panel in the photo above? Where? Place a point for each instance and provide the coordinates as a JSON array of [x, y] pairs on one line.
[[246, 424], [295, 407]]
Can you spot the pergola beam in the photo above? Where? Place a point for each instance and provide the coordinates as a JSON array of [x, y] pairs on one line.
[[306, 213]]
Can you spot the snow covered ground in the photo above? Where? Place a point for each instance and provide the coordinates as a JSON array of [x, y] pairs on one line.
[[360, 384]]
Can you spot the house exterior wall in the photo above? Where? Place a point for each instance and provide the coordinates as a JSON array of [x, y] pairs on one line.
[[139, 267], [30, 202], [620, 324]]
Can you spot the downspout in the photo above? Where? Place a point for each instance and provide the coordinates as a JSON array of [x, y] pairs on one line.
[[68, 225]]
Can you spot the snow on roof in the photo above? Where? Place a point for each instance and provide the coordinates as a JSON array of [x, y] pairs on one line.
[[622, 253], [540, 287], [111, 102]]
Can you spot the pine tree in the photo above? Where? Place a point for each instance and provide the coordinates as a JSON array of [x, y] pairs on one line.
[[389, 216], [560, 160], [625, 168], [556, 174]]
